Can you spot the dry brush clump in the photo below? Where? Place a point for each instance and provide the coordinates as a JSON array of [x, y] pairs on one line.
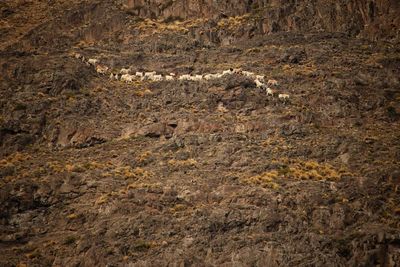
[[232, 23], [102, 199], [176, 165], [144, 157], [266, 180], [296, 170], [155, 26], [15, 158], [107, 197], [127, 172], [78, 167], [141, 185], [143, 92], [311, 170]]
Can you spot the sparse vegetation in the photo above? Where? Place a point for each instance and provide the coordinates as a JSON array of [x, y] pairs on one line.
[[141, 245], [74, 168], [233, 22], [55, 167], [102, 199], [178, 208], [140, 185], [127, 172], [34, 254], [155, 26], [266, 180], [296, 169], [14, 159], [72, 216], [144, 157], [143, 92]]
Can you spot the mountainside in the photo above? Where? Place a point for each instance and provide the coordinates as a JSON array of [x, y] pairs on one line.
[[371, 19], [243, 133]]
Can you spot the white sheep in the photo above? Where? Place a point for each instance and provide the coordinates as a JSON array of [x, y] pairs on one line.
[[101, 69], [248, 73], [260, 77], [93, 61], [209, 76], [227, 72], [139, 74], [184, 77], [169, 78], [127, 78], [172, 74], [272, 83], [237, 71], [270, 91], [156, 78], [284, 97], [195, 78], [124, 71], [259, 84], [111, 76], [147, 74], [151, 76]]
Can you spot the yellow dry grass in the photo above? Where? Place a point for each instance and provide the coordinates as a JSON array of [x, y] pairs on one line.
[[14, 159], [233, 22], [296, 170], [82, 167], [102, 199], [312, 170], [143, 157], [155, 26], [128, 172], [143, 185], [143, 92], [266, 180]]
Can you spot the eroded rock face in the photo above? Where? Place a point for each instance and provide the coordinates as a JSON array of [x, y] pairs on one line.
[[372, 19], [188, 9]]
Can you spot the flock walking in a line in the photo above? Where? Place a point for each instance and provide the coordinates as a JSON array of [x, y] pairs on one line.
[[124, 75]]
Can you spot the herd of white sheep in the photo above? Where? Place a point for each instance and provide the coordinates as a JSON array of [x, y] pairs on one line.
[[125, 75]]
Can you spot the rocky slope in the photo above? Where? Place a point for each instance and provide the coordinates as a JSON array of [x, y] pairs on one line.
[[372, 19], [98, 172]]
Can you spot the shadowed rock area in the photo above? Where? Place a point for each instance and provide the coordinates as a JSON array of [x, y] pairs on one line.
[[373, 19], [96, 171]]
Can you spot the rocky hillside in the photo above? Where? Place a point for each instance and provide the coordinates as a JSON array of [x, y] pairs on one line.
[[97, 171], [372, 19]]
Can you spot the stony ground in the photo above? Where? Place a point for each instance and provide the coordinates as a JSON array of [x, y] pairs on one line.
[[95, 172]]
